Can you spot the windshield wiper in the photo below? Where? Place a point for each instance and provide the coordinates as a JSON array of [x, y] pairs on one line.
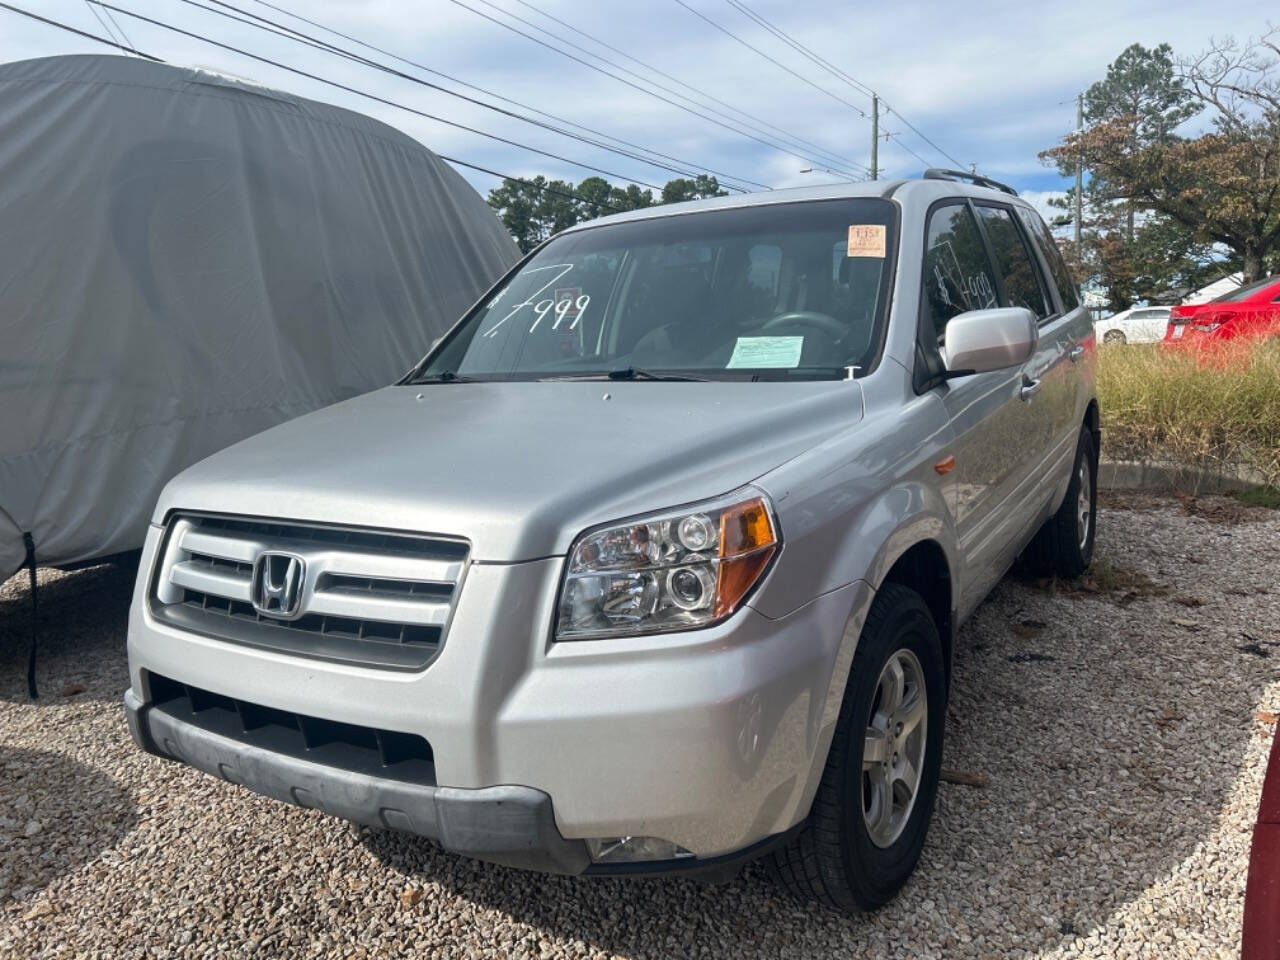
[[635, 373], [628, 373], [444, 376]]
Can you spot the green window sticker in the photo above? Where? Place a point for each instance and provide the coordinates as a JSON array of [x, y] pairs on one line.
[[766, 352]]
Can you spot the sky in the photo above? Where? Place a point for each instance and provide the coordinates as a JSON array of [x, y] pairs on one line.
[[984, 83]]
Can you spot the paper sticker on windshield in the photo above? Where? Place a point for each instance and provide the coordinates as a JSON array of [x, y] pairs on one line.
[[866, 240], [572, 294], [766, 352]]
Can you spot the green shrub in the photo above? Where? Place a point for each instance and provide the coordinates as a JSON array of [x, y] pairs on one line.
[[1207, 408], [1268, 497]]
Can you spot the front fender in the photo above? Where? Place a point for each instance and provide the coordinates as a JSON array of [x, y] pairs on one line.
[[879, 532], [850, 507], [926, 518]]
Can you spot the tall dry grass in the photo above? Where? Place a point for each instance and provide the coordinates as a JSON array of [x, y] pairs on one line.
[[1211, 407]]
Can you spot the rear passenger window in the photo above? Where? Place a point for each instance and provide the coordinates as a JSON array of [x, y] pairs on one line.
[[1022, 283], [1039, 230], [957, 277]]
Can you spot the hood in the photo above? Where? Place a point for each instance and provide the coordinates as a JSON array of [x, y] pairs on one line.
[[519, 469]]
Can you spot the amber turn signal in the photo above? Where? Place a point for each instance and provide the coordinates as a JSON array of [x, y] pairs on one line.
[[747, 544]]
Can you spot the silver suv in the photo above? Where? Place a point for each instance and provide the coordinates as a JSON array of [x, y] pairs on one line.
[[656, 561]]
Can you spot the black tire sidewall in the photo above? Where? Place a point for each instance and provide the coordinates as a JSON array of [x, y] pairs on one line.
[[875, 874]]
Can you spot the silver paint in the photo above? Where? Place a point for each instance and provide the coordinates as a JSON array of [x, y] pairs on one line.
[[713, 738]]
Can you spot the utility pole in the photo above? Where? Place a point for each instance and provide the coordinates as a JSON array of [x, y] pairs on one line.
[[1079, 174], [875, 136]]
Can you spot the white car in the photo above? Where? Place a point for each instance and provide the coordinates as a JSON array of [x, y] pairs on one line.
[[1135, 325]]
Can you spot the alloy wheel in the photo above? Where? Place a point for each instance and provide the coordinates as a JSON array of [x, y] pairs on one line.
[[1084, 504], [893, 754]]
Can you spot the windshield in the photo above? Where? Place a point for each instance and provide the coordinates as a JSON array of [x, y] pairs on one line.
[[795, 290]]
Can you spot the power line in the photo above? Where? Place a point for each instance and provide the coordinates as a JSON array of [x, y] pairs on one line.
[[840, 74], [124, 36], [372, 96], [905, 147], [916, 130], [782, 66], [635, 86], [289, 33], [785, 135], [478, 89], [801, 48], [454, 160], [101, 22], [773, 140], [107, 23], [77, 31]]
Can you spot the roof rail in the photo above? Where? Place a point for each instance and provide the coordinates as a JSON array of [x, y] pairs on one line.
[[977, 179]]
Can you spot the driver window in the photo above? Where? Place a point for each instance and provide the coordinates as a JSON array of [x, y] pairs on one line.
[[956, 275]]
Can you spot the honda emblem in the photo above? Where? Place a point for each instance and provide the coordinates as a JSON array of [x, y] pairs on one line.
[[277, 584]]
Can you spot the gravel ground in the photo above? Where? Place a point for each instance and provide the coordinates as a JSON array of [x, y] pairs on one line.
[[1123, 727]]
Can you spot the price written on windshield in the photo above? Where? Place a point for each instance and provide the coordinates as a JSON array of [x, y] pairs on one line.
[[563, 309], [562, 305]]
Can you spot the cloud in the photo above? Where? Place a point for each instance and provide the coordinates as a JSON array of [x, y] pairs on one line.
[[1040, 200], [992, 84]]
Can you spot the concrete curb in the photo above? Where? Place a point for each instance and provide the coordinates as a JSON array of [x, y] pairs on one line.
[[1169, 477]]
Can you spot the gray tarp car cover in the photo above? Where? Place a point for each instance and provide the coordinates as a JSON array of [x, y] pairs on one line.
[[186, 260]]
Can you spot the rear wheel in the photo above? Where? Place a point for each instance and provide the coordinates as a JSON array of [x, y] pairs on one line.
[[872, 809], [1063, 547]]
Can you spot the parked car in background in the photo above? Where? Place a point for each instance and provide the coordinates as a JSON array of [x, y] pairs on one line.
[[1135, 325], [1251, 311], [655, 562]]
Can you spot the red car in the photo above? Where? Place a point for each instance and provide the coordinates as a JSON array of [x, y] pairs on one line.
[[1261, 938], [1249, 311]]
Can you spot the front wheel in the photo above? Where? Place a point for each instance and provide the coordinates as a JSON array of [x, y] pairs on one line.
[[872, 809], [1114, 336]]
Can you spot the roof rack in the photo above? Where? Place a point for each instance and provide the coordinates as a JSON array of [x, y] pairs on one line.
[[977, 179]]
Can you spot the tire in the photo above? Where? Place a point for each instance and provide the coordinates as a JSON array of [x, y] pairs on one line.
[[1062, 547], [835, 859], [1115, 336]]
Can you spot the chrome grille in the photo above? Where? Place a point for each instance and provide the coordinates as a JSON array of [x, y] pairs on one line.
[[367, 597]]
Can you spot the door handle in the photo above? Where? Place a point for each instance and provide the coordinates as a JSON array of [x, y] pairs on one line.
[[1029, 388], [1076, 352]]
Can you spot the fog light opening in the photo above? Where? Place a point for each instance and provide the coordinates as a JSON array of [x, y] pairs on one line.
[[634, 850]]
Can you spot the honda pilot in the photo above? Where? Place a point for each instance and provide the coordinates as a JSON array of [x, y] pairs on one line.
[[655, 562]]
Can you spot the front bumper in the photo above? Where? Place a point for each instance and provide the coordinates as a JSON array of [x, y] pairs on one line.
[[510, 825], [713, 740]]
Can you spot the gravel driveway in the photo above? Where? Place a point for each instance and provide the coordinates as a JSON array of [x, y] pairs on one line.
[[1121, 728]]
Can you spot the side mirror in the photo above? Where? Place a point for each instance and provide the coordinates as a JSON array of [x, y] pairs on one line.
[[984, 340]]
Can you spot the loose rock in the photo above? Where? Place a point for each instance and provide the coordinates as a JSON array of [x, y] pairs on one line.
[[1123, 781]]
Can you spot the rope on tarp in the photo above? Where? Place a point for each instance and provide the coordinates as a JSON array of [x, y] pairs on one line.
[[35, 623]]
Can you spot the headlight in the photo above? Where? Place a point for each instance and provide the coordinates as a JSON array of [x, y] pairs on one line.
[[676, 570]]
